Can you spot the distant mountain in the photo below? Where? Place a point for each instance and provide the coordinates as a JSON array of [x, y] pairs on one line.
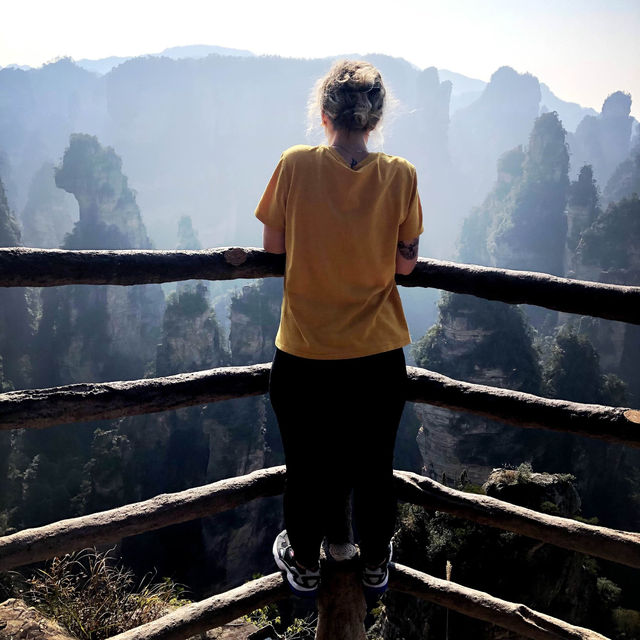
[[201, 51], [465, 90], [462, 84], [571, 113], [102, 66]]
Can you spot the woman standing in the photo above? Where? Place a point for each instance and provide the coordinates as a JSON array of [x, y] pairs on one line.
[[348, 221]]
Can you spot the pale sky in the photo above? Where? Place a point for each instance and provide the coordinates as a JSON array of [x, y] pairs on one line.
[[583, 49]]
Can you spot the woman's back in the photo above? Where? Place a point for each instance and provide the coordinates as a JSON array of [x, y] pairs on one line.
[[342, 226]]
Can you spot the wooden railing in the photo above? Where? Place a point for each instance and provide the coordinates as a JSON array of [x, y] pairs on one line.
[[39, 408]]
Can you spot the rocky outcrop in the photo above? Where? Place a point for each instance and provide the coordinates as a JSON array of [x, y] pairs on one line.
[[529, 233], [603, 141], [16, 331], [109, 215], [49, 213], [516, 568], [99, 333], [86, 334], [255, 315], [467, 344], [625, 180], [582, 210], [500, 119], [555, 493], [21, 622]]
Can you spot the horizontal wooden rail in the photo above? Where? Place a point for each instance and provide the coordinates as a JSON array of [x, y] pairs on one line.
[[64, 536], [476, 604], [41, 543], [38, 408], [199, 617], [612, 424], [613, 302], [610, 544], [24, 267]]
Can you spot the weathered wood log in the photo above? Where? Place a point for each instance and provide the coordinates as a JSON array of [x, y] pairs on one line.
[[341, 604], [610, 544], [476, 604], [613, 302], [38, 408], [612, 424], [213, 612], [24, 267], [42, 543]]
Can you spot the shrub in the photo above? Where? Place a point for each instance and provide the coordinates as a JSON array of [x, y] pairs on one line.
[[94, 597]]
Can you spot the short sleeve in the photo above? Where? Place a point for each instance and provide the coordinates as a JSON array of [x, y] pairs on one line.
[[272, 206], [411, 227]]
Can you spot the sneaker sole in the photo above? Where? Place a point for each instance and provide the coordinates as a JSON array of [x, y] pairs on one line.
[[296, 588]]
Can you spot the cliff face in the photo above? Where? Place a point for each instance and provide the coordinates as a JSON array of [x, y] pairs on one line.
[[582, 210], [529, 233], [603, 141], [85, 334], [99, 333], [16, 330], [625, 180], [467, 344], [49, 213], [16, 333]]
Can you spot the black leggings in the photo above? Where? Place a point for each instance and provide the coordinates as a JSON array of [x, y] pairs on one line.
[[338, 420]]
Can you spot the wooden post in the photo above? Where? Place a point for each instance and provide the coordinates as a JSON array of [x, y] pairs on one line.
[[341, 604]]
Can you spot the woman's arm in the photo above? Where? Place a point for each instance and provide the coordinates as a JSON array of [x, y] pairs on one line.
[[407, 256], [273, 240]]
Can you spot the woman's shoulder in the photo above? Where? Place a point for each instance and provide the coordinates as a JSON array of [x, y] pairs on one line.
[[397, 162], [300, 151]]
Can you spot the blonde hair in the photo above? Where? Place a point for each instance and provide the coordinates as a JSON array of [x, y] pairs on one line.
[[351, 95]]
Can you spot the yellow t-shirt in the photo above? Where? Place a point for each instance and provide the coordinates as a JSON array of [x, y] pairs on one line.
[[342, 227]]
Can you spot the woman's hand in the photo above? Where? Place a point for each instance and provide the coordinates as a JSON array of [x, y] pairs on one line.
[[273, 240]]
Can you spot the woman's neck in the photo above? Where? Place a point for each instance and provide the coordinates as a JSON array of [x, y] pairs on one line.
[[351, 145], [350, 141]]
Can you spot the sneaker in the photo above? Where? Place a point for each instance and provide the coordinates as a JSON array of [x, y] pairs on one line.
[[303, 582], [375, 578]]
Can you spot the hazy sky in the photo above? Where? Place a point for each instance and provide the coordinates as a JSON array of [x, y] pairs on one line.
[[583, 49]]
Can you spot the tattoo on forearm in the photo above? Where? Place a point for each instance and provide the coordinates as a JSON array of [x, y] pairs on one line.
[[408, 250]]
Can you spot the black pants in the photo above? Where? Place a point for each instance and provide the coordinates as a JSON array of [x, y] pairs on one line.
[[338, 420]]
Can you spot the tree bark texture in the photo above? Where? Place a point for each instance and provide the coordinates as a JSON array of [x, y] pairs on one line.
[[38, 408], [25, 267], [613, 302], [476, 604], [341, 604], [610, 544], [64, 536], [199, 617], [612, 424], [41, 543]]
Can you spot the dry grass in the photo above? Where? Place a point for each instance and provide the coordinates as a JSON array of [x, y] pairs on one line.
[[94, 597]]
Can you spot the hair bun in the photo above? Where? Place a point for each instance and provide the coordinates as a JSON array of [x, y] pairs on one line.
[[352, 95]]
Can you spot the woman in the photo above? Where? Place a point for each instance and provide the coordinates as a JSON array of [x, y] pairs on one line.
[[348, 221]]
